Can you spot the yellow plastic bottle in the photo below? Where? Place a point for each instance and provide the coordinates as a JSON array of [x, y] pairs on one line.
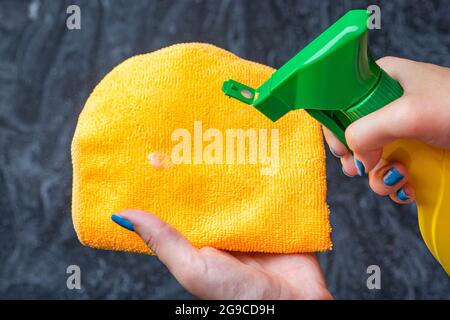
[[429, 173]]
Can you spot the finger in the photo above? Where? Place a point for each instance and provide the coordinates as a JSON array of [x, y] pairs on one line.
[[404, 195], [399, 119], [368, 135], [404, 71], [168, 244], [337, 148], [399, 69], [367, 160], [348, 165], [378, 128], [387, 178]]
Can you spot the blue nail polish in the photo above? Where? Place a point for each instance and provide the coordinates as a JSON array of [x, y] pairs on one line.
[[359, 167], [392, 177], [122, 222], [401, 194]]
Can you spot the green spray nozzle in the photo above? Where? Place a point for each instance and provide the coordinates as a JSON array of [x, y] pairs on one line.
[[334, 79]]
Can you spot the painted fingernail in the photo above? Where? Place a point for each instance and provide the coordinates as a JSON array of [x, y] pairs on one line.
[[124, 223], [334, 153], [360, 167], [392, 177], [401, 194]]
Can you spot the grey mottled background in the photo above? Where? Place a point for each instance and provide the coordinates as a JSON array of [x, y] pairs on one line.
[[47, 72]]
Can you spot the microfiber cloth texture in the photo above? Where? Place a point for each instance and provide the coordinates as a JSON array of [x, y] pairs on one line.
[[158, 134]]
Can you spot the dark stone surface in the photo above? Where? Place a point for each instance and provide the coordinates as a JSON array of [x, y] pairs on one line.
[[47, 72]]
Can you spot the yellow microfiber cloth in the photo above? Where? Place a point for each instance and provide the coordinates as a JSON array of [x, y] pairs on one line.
[[158, 134]]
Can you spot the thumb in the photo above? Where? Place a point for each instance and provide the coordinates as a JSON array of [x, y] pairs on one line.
[[367, 136], [168, 244]]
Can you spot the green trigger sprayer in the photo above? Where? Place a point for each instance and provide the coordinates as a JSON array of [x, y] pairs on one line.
[[337, 82]]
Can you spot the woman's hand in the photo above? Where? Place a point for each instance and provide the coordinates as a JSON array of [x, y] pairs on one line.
[[422, 113], [209, 273]]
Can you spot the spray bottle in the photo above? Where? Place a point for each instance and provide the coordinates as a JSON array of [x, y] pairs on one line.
[[337, 82]]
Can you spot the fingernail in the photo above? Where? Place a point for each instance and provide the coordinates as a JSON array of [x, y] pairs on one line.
[[401, 194], [124, 223], [392, 177], [359, 167], [334, 153]]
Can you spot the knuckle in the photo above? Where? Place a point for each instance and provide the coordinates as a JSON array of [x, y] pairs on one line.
[[412, 116], [151, 242], [152, 238], [410, 103]]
